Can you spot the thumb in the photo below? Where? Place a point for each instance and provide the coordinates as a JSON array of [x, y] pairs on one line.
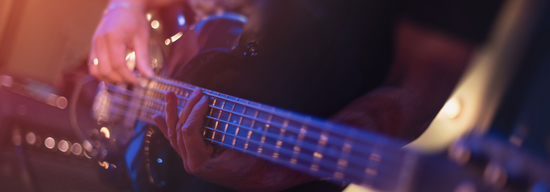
[[143, 58]]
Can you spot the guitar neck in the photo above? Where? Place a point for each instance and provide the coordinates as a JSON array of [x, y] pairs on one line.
[[308, 144]]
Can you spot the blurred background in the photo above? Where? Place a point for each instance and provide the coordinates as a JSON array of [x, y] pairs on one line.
[[41, 39], [505, 92]]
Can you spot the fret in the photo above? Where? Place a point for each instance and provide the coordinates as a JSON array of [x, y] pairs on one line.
[[318, 152], [279, 139], [266, 129], [252, 134], [243, 122], [230, 128], [229, 106], [186, 93], [343, 163], [225, 126], [251, 112], [206, 132], [239, 109], [238, 128], [219, 124], [301, 135]]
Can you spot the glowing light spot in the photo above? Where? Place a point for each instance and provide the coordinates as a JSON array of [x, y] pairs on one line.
[[131, 56], [149, 16], [96, 61], [375, 157], [61, 102], [318, 155], [176, 36], [105, 132], [63, 146], [314, 167], [181, 20], [371, 171], [104, 164], [31, 138], [17, 139], [342, 162], [49, 143], [155, 24], [452, 108], [159, 160], [293, 160], [131, 60], [167, 42], [77, 149], [87, 145]]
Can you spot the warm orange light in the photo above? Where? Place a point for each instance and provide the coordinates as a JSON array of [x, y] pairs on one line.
[[87, 145], [49, 143], [131, 56], [452, 108], [61, 102], [131, 60], [155, 24], [176, 36], [105, 132], [63, 146], [104, 164], [31, 138], [77, 149]]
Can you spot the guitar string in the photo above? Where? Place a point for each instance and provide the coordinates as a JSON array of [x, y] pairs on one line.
[[352, 175], [289, 128], [352, 159], [381, 140], [309, 147]]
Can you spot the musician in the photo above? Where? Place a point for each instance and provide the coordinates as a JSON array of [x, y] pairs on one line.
[[385, 66]]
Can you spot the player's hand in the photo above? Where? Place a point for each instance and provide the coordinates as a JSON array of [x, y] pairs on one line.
[[217, 164], [121, 29]]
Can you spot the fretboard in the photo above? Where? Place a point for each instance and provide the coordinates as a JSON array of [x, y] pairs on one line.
[[308, 144]]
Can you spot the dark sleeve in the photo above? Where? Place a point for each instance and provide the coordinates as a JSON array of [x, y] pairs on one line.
[[470, 20]]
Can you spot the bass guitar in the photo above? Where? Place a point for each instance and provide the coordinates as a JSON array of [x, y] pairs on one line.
[[318, 147]]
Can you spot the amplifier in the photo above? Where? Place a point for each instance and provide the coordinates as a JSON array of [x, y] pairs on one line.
[[39, 150]]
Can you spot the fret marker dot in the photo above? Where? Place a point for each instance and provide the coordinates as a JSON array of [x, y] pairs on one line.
[[318, 155], [315, 167], [375, 157], [371, 171], [342, 162]]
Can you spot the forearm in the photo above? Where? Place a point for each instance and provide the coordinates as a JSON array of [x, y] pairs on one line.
[[426, 69], [392, 111]]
